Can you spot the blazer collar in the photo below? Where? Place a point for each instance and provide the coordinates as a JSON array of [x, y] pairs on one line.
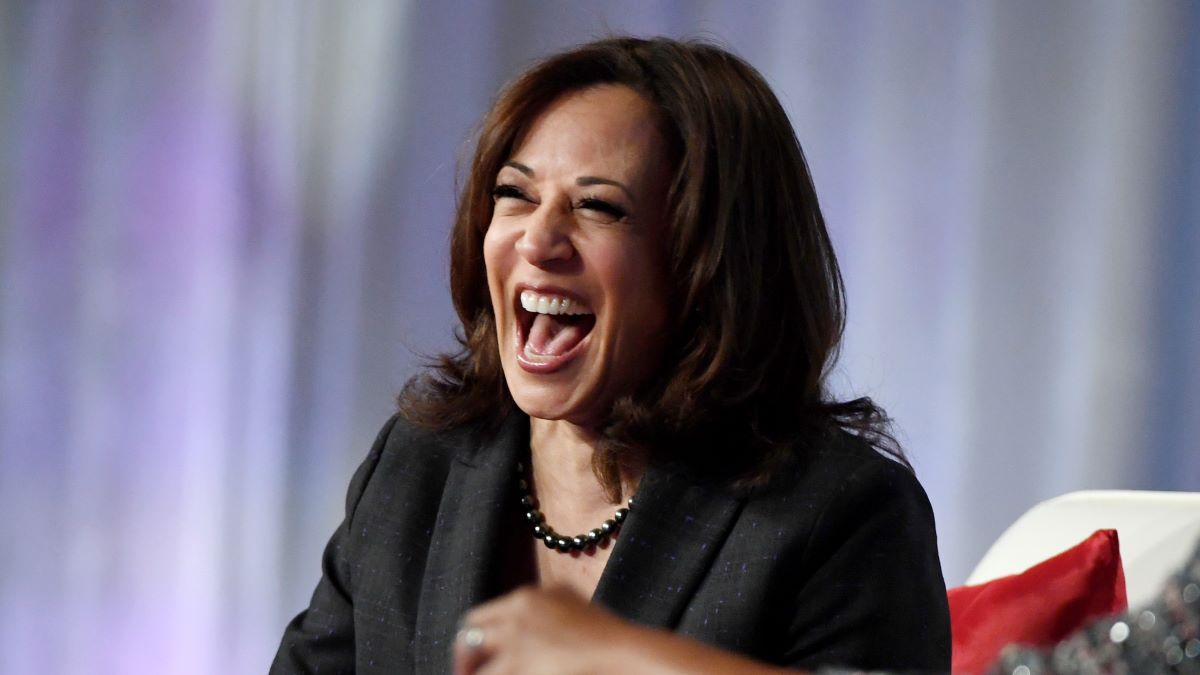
[[662, 553], [665, 547], [467, 535]]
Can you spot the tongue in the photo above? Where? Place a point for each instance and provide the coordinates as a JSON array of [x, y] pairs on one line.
[[548, 336]]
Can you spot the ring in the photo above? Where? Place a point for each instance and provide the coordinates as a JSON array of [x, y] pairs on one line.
[[471, 637]]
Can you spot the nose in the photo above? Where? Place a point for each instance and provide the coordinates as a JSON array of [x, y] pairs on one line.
[[545, 238]]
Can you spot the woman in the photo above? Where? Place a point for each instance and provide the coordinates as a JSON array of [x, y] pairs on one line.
[[638, 414]]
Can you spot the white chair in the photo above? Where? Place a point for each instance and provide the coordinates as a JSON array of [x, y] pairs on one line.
[[1157, 532]]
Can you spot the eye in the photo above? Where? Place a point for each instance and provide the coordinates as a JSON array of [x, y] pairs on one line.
[[608, 209], [505, 191]]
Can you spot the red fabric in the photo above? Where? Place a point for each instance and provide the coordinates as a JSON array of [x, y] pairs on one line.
[[1039, 606]]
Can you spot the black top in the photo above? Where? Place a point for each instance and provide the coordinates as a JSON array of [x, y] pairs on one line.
[[836, 564]]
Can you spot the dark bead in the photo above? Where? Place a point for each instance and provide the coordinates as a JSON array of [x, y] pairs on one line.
[[579, 543], [523, 485], [550, 540], [534, 516], [563, 544], [629, 503], [619, 516], [595, 535], [527, 502], [608, 526], [540, 530]]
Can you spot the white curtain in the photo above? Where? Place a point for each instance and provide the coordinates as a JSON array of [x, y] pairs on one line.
[[223, 235]]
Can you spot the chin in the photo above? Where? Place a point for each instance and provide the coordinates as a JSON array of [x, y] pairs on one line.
[[549, 400]]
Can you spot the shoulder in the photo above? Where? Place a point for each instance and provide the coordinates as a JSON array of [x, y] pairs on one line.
[[856, 542], [842, 470], [840, 490], [833, 562], [405, 442], [405, 445], [408, 463]]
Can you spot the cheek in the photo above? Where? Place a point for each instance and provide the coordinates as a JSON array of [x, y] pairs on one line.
[[639, 280], [494, 263], [490, 249]]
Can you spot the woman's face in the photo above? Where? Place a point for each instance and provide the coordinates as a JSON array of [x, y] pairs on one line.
[[575, 255]]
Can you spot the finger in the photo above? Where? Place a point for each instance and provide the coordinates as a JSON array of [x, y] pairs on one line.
[[500, 665], [471, 649], [481, 640]]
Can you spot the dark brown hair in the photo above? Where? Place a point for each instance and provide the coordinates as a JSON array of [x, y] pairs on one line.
[[758, 296]]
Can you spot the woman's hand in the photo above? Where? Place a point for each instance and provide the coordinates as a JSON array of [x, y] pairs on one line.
[[533, 631], [554, 631]]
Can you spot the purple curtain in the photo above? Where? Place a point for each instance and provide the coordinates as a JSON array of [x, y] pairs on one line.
[[223, 232]]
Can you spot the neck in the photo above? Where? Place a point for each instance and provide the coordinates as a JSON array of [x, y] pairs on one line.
[[562, 455]]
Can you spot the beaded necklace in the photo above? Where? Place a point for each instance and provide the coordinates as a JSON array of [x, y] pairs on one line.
[[554, 540]]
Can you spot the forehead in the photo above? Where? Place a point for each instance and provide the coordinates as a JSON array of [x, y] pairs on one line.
[[604, 126]]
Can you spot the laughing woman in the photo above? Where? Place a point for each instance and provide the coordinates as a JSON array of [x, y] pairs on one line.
[[633, 464]]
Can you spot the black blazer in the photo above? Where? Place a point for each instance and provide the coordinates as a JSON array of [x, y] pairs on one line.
[[837, 566]]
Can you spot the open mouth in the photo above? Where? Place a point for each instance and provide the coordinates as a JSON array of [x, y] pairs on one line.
[[552, 327]]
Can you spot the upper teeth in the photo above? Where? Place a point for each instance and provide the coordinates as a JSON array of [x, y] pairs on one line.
[[550, 304]]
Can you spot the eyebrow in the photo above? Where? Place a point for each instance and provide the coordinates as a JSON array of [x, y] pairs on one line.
[[582, 181]]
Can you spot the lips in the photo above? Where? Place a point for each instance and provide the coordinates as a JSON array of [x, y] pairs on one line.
[[553, 327]]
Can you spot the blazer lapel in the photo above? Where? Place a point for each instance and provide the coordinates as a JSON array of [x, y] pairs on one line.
[[459, 572], [665, 547]]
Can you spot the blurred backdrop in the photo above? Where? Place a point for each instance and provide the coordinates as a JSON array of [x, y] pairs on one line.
[[223, 233]]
